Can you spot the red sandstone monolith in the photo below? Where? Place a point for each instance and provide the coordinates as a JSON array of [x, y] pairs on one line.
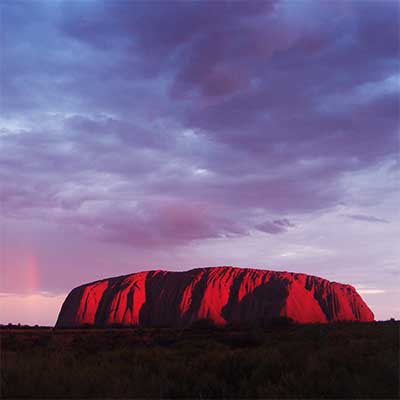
[[225, 295]]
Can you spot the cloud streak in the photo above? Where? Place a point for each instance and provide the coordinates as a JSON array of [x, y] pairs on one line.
[[367, 218]]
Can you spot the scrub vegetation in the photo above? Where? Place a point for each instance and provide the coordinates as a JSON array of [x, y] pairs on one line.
[[283, 360]]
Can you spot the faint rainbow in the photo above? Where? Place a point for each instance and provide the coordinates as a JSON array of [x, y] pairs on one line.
[[32, 273]]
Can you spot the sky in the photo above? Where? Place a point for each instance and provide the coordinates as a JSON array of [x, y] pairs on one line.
[[172, 135]]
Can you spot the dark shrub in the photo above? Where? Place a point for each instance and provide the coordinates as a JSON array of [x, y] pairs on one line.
[[204, 324], [87, 326], [280, 321], [247, 338]]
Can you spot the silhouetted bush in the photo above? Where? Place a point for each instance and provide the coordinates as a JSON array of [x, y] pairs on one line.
[[204, 324], [280, 321], [165, 339], [86, 326], [247, 338], [116, 325]]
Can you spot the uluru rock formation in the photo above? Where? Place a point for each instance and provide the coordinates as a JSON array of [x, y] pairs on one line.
[[221, 294]]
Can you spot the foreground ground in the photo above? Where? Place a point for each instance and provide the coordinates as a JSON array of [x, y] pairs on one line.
[[347, 360]]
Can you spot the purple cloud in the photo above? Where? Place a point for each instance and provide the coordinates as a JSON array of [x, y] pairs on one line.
[[284, 222], [275, 227]]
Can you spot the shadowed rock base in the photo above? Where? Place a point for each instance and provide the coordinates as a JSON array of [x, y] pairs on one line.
[[225, 295]]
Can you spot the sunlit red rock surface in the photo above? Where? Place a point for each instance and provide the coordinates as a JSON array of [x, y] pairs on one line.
[[222, 294]]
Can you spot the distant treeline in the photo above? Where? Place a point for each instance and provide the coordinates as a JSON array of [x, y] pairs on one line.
[[20, 326]]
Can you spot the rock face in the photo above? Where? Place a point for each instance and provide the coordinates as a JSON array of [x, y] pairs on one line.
[[221, 294]]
